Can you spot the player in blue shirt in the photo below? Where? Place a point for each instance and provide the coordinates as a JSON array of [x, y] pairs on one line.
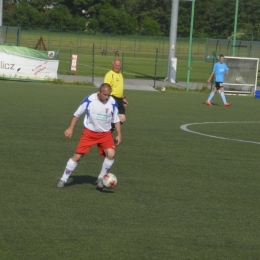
[[220, 69]]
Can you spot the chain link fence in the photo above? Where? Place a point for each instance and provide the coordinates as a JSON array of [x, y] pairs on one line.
[[138, 53], [107, 47], [215, 47]]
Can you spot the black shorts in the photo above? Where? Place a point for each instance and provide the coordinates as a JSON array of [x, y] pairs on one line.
[[219, 85], [120, 103]]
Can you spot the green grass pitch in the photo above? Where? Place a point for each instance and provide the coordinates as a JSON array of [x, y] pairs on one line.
[[179, 195]]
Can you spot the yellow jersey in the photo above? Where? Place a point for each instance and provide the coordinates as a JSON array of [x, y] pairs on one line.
[[116, 81]]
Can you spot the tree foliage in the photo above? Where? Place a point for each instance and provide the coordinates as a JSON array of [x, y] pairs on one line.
[[213, 18], [26, 14], [107, 18]]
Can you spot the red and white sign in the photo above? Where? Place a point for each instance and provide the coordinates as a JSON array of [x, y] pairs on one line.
[[74, 59]]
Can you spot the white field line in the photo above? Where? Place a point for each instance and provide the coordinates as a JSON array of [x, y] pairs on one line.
[[185, 128]]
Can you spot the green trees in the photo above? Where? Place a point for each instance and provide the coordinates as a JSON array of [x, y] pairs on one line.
[[213, 18], [108, 19], [249, 22], [23, 13], [60, 16]]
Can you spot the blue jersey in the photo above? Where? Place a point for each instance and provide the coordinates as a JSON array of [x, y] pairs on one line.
[[220, 70]]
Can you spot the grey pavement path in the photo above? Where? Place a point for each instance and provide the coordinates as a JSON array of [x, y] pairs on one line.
[[134, 84]]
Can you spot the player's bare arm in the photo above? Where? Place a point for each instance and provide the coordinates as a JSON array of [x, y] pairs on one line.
[[210, 77], [125, 101], [69, 131], [119, 136]]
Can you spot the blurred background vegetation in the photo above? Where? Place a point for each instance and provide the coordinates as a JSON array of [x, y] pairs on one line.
[[213, 18]]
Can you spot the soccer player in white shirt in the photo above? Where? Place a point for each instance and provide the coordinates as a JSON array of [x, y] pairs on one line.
[[100, 110]]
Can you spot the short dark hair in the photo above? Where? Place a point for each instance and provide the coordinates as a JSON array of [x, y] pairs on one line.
[[221, 55]]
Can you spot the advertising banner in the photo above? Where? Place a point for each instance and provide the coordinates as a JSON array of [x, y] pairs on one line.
[[21, 63]]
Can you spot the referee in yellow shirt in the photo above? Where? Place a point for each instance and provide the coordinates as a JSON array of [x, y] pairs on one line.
[[115, 79]]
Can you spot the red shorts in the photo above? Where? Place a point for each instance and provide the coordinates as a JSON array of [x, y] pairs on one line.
[[88, 138]]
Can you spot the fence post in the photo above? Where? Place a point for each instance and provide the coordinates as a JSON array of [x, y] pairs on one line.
[[122, 68], [120, 40], [80, 38], [60, 35], [106, 42], [155, 67], [140, 42], [49, 40], [163, 48], [70, 61], [78, 42], [100, 40], [134, 46], [213, 62], [93, 49]]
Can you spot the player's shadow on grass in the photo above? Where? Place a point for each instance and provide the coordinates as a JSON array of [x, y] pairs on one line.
[[213, 104], [139, 75], [82, 179]]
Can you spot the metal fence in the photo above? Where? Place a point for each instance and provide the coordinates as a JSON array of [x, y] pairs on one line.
[[79, 40], [215, 47], [130, 48], [113, 44], [10, 35]]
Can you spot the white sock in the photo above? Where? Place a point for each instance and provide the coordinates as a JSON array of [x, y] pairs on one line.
[[223, 97], [70, 167], [107, 164], [211, 96]]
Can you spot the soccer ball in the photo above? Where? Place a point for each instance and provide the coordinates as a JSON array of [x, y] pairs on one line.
[[109, 180], [163, 89]]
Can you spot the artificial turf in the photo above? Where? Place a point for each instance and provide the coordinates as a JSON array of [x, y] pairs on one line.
[[180, 195]]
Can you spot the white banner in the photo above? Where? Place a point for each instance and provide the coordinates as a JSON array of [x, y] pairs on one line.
[[16, 66]]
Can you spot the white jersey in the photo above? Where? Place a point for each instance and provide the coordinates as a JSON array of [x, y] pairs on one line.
[[99, 115]]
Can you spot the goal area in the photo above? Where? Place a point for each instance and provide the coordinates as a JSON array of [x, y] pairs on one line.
[[242, 76]]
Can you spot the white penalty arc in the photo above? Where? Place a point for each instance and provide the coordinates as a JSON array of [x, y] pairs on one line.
[[185, 128]]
